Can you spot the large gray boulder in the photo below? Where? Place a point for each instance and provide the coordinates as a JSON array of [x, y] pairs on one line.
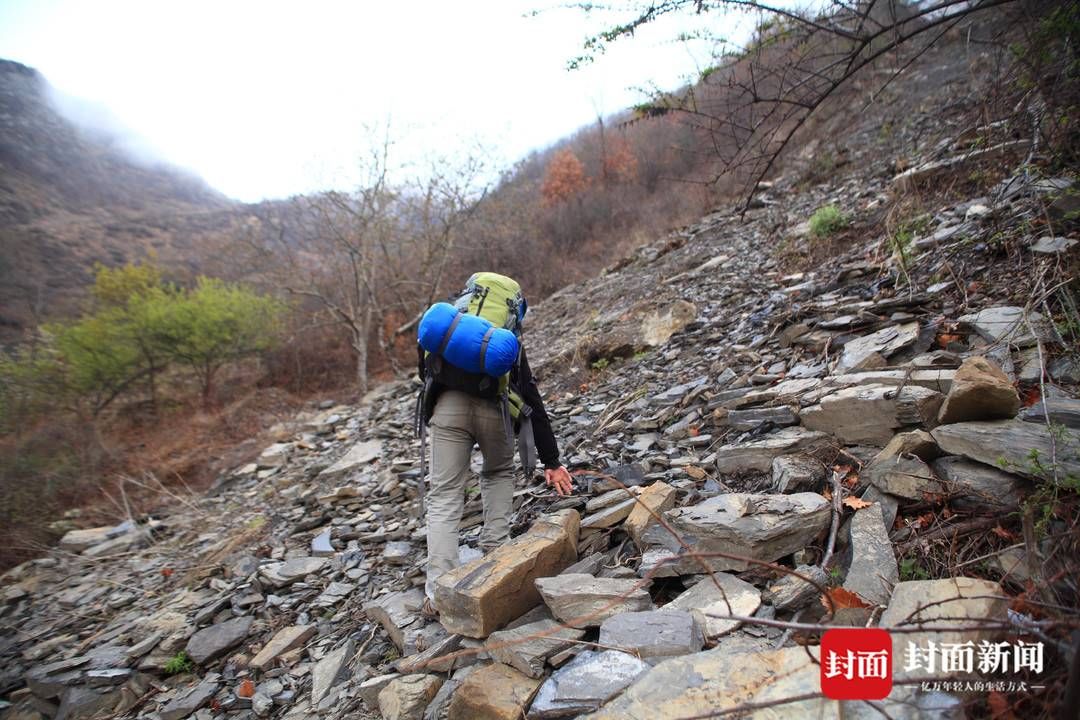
[[1014, 445], [872, 414], [762, 527], [586, 601]]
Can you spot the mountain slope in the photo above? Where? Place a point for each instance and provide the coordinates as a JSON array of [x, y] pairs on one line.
[[72, 196]]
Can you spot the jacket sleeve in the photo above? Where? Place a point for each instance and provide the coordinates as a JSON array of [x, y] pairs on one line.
[[546, 447]]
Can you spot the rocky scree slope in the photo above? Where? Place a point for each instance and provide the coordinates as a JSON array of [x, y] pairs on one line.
[[748, 440]]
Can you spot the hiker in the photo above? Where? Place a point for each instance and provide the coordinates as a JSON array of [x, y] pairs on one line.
[[464, 408]]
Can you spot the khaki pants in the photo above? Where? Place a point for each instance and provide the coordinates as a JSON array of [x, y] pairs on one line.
[[458, 422]]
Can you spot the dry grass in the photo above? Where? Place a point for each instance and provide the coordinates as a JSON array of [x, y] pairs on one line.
[[184, 449]]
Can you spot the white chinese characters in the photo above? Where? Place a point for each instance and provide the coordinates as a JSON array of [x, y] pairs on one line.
[[853, 664], [966, 657]]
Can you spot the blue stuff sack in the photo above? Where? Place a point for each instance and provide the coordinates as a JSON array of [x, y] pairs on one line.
[[468, 342]]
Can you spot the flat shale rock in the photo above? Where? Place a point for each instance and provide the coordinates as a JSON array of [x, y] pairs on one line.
[[211, 643], [790, 592], [586, 601], [283, 641], [906, 477], [290, 571], [395, 612], [951, 603], [609, 516], [1009, 444], [980, 391], [1061, 410], [494, 692], [973, 486], [713, 681], [83, 703], [718, 594], [330, 671], [759, 454], [656, 633], [661, 562], [406, 697], [435, 658], [585, 683], [481, 596], [1005, 324], [439, 707], [870, 415], [189, 701], [76, 541], [873, 571], [519, 648], [872, 350], [781, 416], [369, 689], [763, 527], [797, 473], [657, 497], [358, 455]]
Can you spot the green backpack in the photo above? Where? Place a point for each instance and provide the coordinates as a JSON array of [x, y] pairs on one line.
[[497, 299]]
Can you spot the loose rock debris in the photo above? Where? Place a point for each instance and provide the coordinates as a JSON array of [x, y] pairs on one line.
[[748, 423]]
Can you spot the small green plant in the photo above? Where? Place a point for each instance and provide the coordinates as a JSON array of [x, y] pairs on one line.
[[827, 220], [903, 238], [836, 576], [911, 570], [600, 364], [1055, 481], [179, 663]]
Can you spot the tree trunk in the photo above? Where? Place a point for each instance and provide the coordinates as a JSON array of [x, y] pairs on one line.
[[208, 388], [360, 345]]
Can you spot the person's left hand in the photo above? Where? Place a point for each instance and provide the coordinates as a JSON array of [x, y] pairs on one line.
[[559, 478]]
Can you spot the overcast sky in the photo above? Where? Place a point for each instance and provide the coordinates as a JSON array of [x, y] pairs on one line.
[[268, 99]]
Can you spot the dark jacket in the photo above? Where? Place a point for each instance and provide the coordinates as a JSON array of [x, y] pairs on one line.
[[521, 377]]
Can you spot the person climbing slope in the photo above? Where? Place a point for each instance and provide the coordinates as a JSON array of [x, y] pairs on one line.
[[478, 390]]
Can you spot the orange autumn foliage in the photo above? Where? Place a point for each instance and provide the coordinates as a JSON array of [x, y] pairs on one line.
[[565, 178]]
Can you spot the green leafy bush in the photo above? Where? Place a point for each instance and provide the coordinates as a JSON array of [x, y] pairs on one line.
[[827, 220]]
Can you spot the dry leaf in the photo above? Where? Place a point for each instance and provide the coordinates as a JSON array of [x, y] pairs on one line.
[[838, 599], [1003, 533], [852, 479], [695, 472], [693, 431], [246, 690], [827, 493], [166, 572], [944, 339], [924, 520], [856, 503]]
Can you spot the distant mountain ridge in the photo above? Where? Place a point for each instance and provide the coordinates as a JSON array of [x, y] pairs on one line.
[[72, 196]]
